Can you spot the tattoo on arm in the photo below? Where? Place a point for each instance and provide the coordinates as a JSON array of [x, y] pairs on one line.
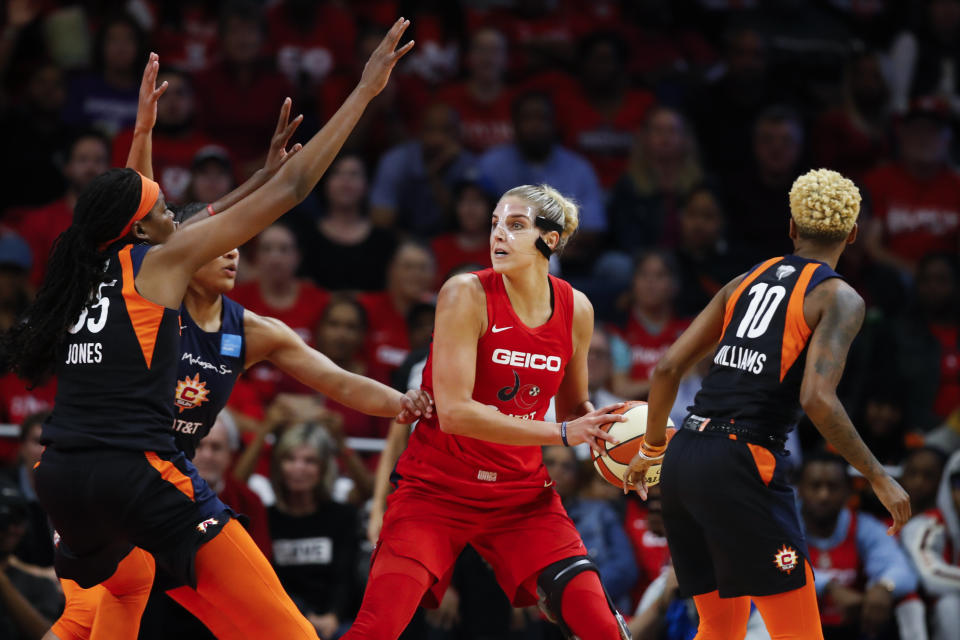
[[839, 324]]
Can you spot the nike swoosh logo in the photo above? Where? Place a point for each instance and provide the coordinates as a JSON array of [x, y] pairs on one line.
[[547, 483], [496, 329]]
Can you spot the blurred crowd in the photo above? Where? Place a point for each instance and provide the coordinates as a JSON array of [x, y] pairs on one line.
[[678, 127]]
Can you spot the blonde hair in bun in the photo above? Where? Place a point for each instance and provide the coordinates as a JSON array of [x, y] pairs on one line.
[[552, 205]]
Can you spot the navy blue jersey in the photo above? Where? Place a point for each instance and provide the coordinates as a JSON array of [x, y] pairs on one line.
[[758, 365], [209, 366], [116, 368]]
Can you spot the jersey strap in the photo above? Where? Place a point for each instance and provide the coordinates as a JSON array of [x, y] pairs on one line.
[[145, 315], [795, 330]]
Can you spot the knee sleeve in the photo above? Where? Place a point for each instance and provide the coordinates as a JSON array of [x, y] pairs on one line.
[[550, 586]]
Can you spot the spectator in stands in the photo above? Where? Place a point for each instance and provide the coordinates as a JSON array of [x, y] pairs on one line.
[[735, 93], [932, 539], [543, 33], [185, 33], [483, 98], [644, 525], [915, 202], [15, 290], [176, 138], [853, 138], [35, 141], [213, 460], [600, 369], [314, 538], [925, 344], [89, 156], [410, 279], [470, 243], [36, 547], [439, 28], [241, 77], [28, 603], [662, 171], [861, 573], [924, 60], [412, 188], [17, 403], [599, 525], [107, 97], [537, 157], [211, 175], [347, 251], [310, 39], [882, 423], [757, 205], [922, 471], [651, 326], [703, 261], [598, 116], [420, 321]]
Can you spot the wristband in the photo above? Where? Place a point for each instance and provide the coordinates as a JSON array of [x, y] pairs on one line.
[[652, 450], [210, 210], [563, 433]]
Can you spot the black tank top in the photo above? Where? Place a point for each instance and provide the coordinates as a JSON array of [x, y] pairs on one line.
[[758, 365], [117, 368], [209, 366]]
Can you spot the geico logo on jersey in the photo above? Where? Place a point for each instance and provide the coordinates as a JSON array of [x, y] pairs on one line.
[[740, 358], [526, 360], [191, 392]]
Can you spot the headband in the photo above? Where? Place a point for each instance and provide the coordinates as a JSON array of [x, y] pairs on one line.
[[149, 192], [547, 225]]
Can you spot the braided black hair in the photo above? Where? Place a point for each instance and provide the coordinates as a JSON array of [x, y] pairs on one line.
[[74, 269]]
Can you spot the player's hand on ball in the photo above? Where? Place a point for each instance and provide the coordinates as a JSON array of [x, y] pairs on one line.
[[376, 72], [587, 429], [415, 404]]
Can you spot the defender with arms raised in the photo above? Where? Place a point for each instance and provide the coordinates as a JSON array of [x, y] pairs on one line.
[[781, 334]]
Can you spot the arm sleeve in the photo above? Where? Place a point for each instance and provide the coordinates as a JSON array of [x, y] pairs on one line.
[[924, 539], [883, 558]]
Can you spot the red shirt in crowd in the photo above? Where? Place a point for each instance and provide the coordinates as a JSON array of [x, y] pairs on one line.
[[841, 144], [948, 395], [172, 158], [604, 139], [16, 403], [919, 216], [650, 549], [482, 124], [316, 49], [39, 228], [188, 45], [646, 348], [449, 255], [245, 131], [245, 501], [388, 342], [303, 317]]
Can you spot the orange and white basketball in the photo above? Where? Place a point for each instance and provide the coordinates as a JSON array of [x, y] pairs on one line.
[[613, 467]]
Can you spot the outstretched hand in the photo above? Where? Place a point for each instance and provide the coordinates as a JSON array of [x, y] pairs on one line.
[[376, 72], [415, 404], [149, 94], [278, 153]]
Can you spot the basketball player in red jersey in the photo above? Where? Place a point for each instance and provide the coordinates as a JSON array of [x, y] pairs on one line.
[[507, 339], [782, 330]]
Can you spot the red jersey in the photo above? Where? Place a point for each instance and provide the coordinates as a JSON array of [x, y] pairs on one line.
[[841, 564], [518, 370], [482, 124], [172, 158], [646, 348], [313, 50], [40, 228], [918, 216], [388, 340]]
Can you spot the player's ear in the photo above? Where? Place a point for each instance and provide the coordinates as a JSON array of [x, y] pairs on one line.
[[552, 239], [793, 229], [139, 232], [852, 236]]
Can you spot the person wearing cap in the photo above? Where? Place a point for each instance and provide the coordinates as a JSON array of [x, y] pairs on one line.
[[916, 200], [211, 175], [27, 602]]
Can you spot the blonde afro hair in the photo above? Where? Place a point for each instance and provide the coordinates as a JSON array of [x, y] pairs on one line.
[[552, 205], [824, 205]]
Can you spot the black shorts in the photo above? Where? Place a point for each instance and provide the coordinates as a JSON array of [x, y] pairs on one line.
[[731, 517], [103, 503]]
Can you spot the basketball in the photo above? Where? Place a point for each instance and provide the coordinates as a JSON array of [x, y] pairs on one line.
[[613, 467]]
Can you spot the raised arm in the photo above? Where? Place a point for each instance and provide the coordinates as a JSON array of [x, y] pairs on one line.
[[698, 340], [140, 157], [271, 340], [841, 310], [461, 320], [168, 268]]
